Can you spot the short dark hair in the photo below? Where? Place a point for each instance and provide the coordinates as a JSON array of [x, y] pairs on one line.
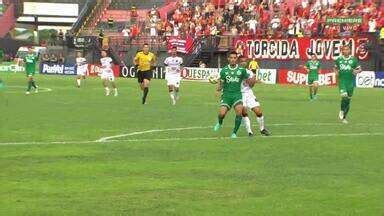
[[145, 44], [232, 53], [174, 47]]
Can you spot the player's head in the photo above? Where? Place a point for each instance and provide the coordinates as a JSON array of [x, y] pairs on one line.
[[243, 61], [174, 51], [30, 50], [146, 48], [79, 54], [232, 58], [346, 50], [104, 53], [313, 57]]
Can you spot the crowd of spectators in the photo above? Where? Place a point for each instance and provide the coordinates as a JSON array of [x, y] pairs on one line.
[[268, 19], [53, 58]]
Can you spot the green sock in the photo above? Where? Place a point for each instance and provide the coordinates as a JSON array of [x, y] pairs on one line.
[[343, 103], [221, 119], [237, 124], [29, 85], [347, 106]]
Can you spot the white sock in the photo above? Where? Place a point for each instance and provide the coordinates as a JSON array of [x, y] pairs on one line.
[[247, 124], [260, 120], [78, 82], [115, 89], [172, 95]]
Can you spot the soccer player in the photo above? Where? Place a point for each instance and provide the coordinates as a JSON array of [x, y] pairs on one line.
[[107, 75], [346, 67], [172, 75], [144, 60], [30, 66], [312, 67], [231, 78], [82, 68], [250, 102], [253, 66]]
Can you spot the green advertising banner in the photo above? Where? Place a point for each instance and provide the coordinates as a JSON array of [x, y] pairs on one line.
[[349, 20], [11, 67]]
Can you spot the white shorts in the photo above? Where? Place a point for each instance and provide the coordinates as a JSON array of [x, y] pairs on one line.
[[108, 76], [249, 100], [82, 70], [173, 79]]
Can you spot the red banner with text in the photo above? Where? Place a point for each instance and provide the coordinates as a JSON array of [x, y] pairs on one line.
[[94, 70], [300, 77], [299, 48]]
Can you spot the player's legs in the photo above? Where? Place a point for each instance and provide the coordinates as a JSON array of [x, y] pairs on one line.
[[113, 83], [171, 90], [260, 120], [105, 85], [310, 91], [78, 81], [238, 111], [346, 95], [145, 88], [247, 122], [222, 113], [31, 83], [315, 89]]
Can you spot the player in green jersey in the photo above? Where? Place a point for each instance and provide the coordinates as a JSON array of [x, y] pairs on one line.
[[30, 61], [231, 78], [312, 67], [346, 67]]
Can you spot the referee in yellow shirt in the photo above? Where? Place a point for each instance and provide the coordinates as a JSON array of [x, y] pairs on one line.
[[145, 61], [253, 65]]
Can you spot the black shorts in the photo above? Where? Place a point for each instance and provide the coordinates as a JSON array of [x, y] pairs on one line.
[[142, 75], [254, 71]]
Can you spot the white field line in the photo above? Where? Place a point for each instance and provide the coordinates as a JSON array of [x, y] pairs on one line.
[[41, 89], [103, 139], [114, 138]]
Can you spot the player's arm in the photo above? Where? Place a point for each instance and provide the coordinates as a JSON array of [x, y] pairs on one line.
[[357, 69], [306, 67], [136, 60], [252, 81]]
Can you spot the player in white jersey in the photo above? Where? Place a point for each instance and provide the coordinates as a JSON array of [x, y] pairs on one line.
[[82, 68], [107, 73], [250, 102], [172, 75]]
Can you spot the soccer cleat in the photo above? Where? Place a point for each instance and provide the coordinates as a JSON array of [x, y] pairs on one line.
[[314, 97], [265, 132], [344, 121], [341, 115], [27, 93], [250, 134], [107, 93], [173, 102], [143, 101], [217, 127], [37, 89], [233, 136]]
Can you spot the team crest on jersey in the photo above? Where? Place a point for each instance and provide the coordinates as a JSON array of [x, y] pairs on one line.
[[238, 73]]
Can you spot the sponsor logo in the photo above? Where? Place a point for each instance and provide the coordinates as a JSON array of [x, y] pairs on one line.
[[58, 69], [202, 74], [379, 79], [267, 76], [12, 68], [52, 69], [365, 79], [131, 72]]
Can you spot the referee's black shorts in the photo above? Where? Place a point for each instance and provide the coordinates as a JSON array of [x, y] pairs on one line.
[[142, 75]]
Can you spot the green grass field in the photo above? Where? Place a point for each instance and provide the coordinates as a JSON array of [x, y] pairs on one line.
[[167, 160]]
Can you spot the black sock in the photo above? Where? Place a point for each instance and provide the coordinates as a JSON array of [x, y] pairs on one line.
[[145, 94]]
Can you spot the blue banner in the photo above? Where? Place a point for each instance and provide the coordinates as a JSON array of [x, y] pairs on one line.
[[58, 69], [379, 79]]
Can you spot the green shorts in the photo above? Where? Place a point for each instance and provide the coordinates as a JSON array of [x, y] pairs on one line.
[[346, 89], [30, 73], [231, 100], [312, 79]]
